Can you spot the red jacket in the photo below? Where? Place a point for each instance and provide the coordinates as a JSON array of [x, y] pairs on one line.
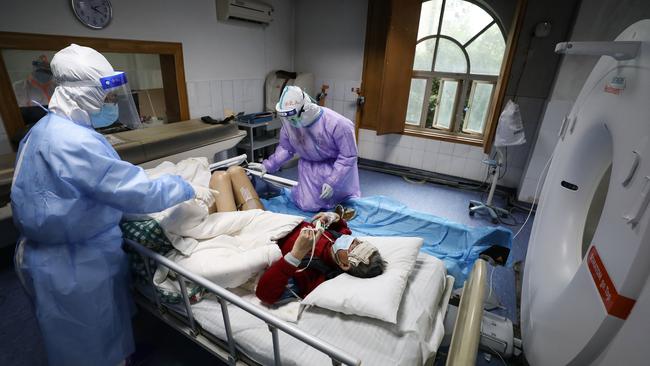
[[274, 281]]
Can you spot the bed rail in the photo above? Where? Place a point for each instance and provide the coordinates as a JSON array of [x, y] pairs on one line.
[[337, 355], [467, 330]]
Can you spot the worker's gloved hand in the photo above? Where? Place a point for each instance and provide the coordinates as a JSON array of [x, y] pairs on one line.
[[326, 191], [205, 194], [257, 166]]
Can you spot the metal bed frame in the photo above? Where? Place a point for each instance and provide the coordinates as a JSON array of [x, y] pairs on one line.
[[464, 341]]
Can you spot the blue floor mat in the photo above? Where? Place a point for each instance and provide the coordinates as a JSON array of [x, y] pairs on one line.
[[456, 244]]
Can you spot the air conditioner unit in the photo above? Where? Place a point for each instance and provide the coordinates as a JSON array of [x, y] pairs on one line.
[[249, 10]]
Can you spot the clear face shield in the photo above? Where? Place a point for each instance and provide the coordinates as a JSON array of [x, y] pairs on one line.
[[118, 103], [292, 117]]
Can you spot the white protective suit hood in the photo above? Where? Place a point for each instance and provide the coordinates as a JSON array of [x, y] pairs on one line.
[[75, 69], [297, 108]]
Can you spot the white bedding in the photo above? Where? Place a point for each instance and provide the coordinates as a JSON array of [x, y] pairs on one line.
[[414, 339], [227, 248]]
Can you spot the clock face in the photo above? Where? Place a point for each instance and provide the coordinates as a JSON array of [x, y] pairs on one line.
[[95, 14]]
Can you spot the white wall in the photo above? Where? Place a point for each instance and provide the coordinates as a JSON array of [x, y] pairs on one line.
[[330, 38], [597, 20], [329, 43], [225, 62]]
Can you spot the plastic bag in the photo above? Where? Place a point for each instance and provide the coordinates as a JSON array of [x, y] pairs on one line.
[[510, 130]]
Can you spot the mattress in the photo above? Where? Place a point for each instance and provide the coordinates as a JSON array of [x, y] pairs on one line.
[[411, 341]]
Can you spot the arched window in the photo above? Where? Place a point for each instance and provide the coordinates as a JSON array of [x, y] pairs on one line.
[[458, 57]]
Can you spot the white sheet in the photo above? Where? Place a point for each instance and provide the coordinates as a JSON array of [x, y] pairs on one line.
[[227, 248], [414, 339]]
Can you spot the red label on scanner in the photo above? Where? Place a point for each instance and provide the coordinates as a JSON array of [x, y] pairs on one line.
[[616, 305]]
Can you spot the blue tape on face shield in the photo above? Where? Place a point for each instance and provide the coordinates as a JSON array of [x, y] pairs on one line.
[[293, 117], [106, 116]]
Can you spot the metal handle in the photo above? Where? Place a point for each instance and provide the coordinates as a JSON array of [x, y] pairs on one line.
[[641, 205], [361, 100], [630, 174]]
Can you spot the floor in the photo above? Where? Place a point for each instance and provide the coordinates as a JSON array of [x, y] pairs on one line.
[[22, 344]]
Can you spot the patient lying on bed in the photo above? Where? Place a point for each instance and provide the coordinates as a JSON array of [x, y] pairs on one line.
[[297, 273]]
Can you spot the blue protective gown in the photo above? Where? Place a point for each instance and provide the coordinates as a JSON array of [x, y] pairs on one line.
[[70, 191]]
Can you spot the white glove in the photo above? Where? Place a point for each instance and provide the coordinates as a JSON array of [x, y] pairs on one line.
[[326, 191], [257, 166], [205, 195]]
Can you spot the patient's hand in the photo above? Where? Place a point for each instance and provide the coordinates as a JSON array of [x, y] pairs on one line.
[[303, 244], [327, 218]]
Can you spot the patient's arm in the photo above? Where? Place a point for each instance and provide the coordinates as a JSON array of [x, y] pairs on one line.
[[341, 226], [274, 281]]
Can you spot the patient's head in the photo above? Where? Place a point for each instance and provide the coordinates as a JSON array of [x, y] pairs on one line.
[[358, 258]]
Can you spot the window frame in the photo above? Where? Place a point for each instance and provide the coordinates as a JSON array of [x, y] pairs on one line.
[[171, 65], [462, 99]]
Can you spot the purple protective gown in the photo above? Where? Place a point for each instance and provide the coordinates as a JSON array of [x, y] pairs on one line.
[[328, 154]]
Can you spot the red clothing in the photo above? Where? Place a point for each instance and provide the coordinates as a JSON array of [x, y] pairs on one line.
[[274, 281]]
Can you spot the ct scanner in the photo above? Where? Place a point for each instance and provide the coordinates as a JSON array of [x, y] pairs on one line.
[[586, 295]]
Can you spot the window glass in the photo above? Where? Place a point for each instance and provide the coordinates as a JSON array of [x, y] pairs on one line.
[[429, 18], [478, 107], [424, 55], [486, 52], [462, 20], [446, 104], [416, 98], [450, 57]]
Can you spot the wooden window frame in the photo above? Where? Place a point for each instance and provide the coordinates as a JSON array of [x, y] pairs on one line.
[[390, 23], [171, 67], [466, 81]]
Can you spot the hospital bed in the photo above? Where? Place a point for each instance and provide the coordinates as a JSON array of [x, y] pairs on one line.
[[228, 325]]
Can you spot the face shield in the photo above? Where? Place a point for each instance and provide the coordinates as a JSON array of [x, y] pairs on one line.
[[41, 70], [292, 117], [118, 102], [296, 108]]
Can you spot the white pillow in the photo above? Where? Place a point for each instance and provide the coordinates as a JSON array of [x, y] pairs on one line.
[[378, 297]]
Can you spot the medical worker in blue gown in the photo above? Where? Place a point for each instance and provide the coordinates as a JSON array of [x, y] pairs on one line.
[[69, 192]]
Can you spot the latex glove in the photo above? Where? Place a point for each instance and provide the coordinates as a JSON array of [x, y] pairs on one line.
[[326, 191], [257, 166], [326, 218], [205, 194]]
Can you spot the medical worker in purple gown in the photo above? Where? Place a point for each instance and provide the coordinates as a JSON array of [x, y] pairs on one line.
[[324, 140]]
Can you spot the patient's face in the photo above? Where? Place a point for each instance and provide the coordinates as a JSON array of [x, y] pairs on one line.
[[342, 256]]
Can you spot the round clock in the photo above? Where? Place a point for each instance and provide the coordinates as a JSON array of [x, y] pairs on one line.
[[95, 14]]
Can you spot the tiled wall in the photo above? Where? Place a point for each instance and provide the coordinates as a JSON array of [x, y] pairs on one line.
[[432, 155], [453, 159], [211, 97], [340, 96]]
